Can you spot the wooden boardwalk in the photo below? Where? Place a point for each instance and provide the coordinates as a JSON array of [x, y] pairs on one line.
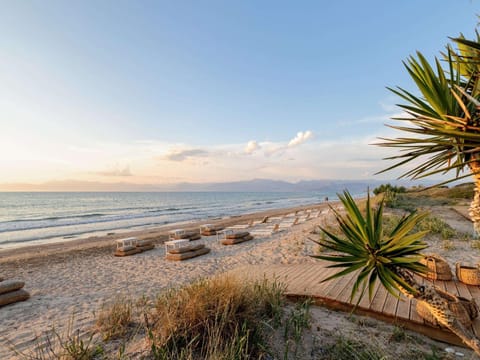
[[305, 281]]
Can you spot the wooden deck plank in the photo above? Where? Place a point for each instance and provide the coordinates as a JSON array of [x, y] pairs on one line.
[[300, 284], [414, 317], [312, 278], [475, 294], [320, 287], [344, 295], [462, 290], [390, 306], [341, 283], [451, 287], [292, 277], [365, 302], [403, 307], [379, 299]]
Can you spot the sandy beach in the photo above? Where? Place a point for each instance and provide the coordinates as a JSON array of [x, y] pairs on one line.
[[75, 279]]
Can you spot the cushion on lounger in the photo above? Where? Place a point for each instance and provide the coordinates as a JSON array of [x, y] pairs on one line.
[[128, 252], [10, 285], [126, 248], [185, 249], [236, 241], [146, 247], [187, 255], [144, 242], [186, 235], [13, 297], [237, 235]]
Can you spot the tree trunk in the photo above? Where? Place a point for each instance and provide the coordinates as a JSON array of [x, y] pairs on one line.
[[438, 307], [474, 211]]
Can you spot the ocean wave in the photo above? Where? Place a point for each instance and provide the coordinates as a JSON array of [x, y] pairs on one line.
[[13, 226], [53, 218], [68, 233]]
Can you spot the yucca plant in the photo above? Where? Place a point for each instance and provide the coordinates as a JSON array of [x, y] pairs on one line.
[[443, 120], [389, 257]]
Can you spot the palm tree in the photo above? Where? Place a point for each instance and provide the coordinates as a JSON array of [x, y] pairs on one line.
[[444, 119], [390, 257]]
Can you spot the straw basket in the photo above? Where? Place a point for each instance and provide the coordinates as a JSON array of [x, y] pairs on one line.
[[468, 274], [464, 310], [438, 268]]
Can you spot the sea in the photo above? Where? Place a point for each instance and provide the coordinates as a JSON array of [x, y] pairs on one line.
[[44, 217]]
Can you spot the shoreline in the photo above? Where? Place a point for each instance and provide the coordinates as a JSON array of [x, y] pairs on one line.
[[76, 279], [158, 234]]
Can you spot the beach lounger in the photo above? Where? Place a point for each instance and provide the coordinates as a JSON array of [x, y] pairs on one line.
[[266, 231], [131, 246], [231, 236], [187, 252], [236, 238], [209, 229], [179, 234], [287, 224], [240, 226], [11, 292], [303, 218]]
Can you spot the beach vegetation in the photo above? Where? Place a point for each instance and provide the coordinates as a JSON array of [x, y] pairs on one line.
[[398, 334], [389, 188], [448, 245], [116, 319], [218, 318], [475, 245], [351, 349], [435, 225], [71, 344], [462, 191], [393, 258], [441, 126], [295, 323]]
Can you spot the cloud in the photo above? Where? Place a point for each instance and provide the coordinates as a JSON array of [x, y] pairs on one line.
[[116, 171], [300, 138], [280, 148], [251, 147], [181, 155]]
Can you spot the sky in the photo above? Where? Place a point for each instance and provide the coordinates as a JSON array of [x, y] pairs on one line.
[[156, 92]]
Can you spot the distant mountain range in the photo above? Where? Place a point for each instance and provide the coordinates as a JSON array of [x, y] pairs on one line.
[[255, 185]]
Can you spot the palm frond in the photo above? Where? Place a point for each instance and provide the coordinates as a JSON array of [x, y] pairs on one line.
[[443, 120], [365, 248]]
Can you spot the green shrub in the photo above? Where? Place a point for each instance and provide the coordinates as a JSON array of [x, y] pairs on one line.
[[436, 225], [389, 188]]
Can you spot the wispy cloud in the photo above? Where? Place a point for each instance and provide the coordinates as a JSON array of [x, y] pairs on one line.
[[116, 171], [182, 155]]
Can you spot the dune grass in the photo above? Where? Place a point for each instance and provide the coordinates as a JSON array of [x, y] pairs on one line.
[[219, 318], [115, 320]]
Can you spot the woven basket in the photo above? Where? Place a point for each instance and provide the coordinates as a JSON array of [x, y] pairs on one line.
[[464, 310], [438, 268], [468, 274]]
